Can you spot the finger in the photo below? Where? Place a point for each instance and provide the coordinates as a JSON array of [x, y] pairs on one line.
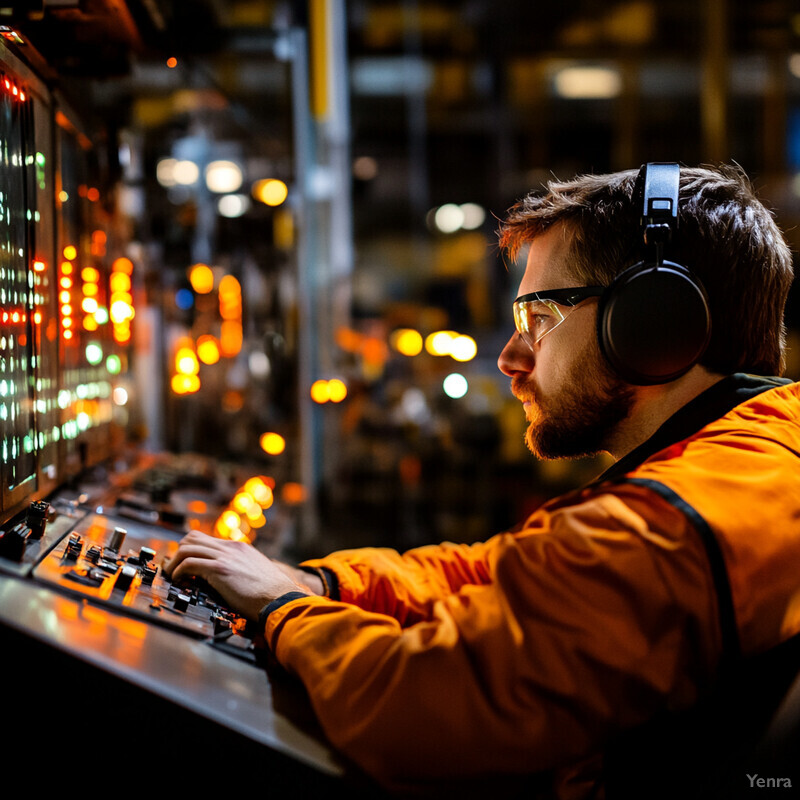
[[188, 551]]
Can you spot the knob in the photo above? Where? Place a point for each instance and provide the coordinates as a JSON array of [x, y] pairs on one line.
[[117, 539]]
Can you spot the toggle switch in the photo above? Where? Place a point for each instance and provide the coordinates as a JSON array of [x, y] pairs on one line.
[[36, 518], [14, 541], [125, 577]]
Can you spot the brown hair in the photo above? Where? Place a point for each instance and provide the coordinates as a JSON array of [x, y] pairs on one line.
[[725, 236]]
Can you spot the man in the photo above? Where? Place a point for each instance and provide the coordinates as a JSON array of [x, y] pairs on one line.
[[541, 654]]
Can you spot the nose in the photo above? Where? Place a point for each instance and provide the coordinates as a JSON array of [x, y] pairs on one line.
[[516, 357]]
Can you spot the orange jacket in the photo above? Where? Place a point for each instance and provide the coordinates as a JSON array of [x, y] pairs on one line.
[[528, 653]]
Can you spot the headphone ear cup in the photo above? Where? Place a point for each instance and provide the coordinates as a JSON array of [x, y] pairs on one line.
[[653, 323]]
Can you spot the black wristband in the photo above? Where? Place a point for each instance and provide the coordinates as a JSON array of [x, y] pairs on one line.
[[275, 604], [330, 583]]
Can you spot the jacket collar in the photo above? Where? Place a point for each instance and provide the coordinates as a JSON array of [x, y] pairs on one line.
[[707, 407]]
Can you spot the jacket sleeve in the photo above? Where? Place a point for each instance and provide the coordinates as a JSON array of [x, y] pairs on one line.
[[592, 618], [406, 586]]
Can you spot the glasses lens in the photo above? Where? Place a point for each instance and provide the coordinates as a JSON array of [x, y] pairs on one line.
[[535, 318]]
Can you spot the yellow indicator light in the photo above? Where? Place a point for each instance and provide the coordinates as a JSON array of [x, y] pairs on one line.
[[272, 443], [208, 349], [407, 341], [70, 251], [186, 362], [270, 191], [90, 275], [185, 384], [201, 277], [337, 390], [320, 392], [119, 282]]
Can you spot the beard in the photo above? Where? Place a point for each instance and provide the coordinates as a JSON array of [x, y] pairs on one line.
[[579, 419]]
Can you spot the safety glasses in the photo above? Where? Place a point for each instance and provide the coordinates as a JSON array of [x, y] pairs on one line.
[[538, 313]]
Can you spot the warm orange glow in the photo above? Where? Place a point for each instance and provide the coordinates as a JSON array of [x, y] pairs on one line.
[[293, 493], [90, 289], [90, 275], [230, 298], [123, 265], [70, 252], [374, 350], [93, 195], [90, 323], [201, 277], [172, 62], [39, 266], [66, 282], [230, 342], [349, 340], [67, 334], [66, 268], [272, 443]]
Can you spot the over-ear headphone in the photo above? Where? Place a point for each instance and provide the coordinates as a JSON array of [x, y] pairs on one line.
[[653, 322]]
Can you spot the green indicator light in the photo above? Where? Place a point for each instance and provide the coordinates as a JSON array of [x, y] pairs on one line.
[[114, 364]]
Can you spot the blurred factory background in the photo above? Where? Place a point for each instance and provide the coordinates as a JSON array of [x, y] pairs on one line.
[[309, 194]]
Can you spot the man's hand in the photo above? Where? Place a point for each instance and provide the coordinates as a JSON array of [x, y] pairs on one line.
[[245, 578]]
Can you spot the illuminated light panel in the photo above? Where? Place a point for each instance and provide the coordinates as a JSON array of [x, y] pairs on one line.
[[588, 83]]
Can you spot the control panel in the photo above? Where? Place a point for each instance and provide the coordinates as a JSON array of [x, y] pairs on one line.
[[107, 542]]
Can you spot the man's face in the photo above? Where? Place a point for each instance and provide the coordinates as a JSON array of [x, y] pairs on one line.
[[572, 400]]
